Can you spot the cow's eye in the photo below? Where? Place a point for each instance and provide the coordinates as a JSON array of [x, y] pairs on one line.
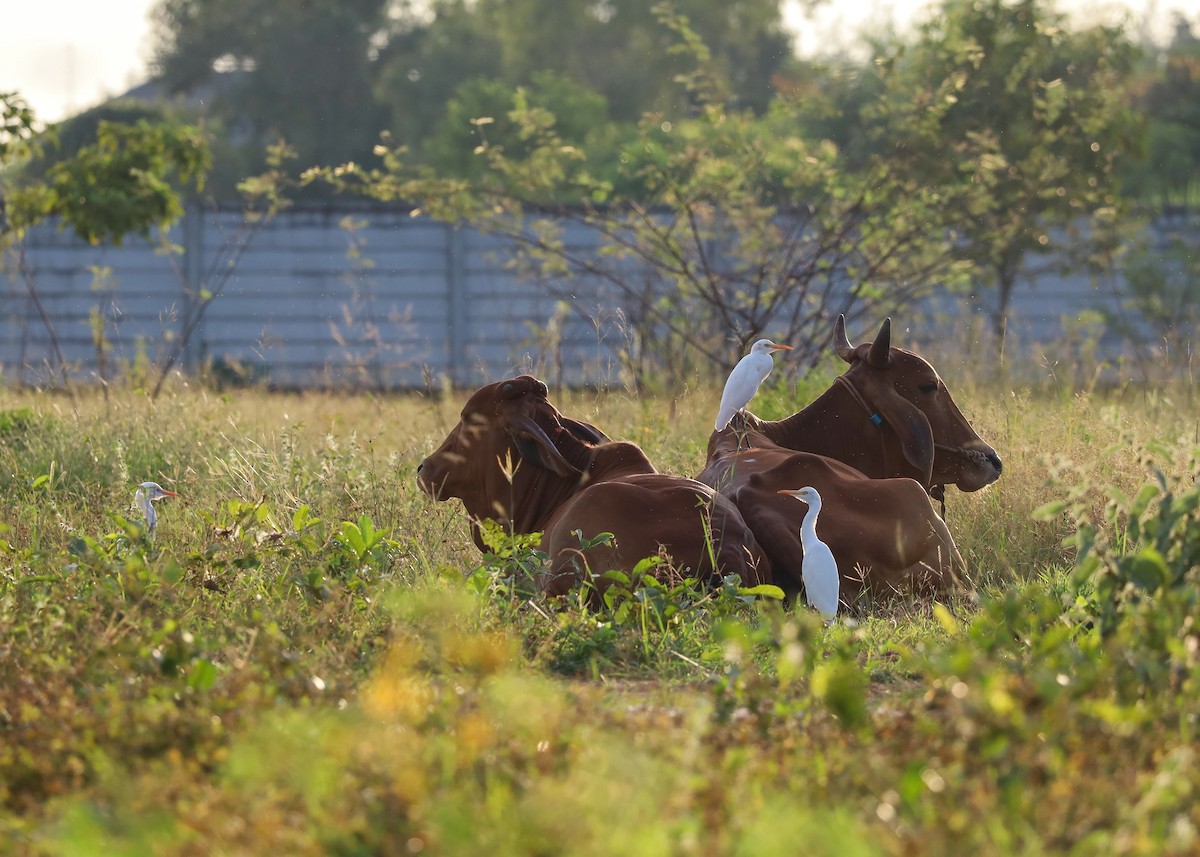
[[931, 387]]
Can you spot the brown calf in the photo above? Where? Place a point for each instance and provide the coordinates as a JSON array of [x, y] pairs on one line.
[[515, 459]]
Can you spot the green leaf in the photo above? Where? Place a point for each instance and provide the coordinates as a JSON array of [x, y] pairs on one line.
[[1050, 511], [174, 572], [763, 590], [351, 536], [302, 520], [1148, 493], [646, 565], [202, 675], [946, 619], [1148, 570], [1158, 449], [842, 686]]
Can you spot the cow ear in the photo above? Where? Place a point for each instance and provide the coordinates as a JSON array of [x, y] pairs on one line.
[[536, 448], [912, 426], [584, 431]]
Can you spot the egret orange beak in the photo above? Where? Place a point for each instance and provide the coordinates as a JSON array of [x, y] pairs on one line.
[[169, 493], [780, 347]]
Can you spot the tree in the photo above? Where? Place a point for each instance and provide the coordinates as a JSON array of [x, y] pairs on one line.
[[128, 182], [131, 180], [615, 48], [20, 143], [721, 225], [1170, 101], [1159, 311], [1026, 119], [276, 70], [478, 115]]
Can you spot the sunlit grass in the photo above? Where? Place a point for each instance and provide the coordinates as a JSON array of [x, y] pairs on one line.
[[257, 678]]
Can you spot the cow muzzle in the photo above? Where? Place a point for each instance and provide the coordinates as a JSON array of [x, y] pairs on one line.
[[427, 485], [968, 468]]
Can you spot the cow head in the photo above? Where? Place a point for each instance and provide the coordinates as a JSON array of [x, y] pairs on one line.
[[501, 460], [903, 390]]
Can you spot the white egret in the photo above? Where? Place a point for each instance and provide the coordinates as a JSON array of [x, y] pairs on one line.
[[745, 379], [819, 571], [145, 496]]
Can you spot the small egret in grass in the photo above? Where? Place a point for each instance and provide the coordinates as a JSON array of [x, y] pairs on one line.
[[819, 570], [745, 379], [144, 497]]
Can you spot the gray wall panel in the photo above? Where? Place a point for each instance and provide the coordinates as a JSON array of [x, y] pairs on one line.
[[423, 297]]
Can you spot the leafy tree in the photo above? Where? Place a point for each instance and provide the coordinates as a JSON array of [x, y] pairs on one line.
[[735, 224], [19, 143], [1170, 101], [128, 181], [426, 61], [614, 47], [1026, 118], [18, 127], [1159, 312], [833, 100], [478, 115], [131, 180], [278, 70]]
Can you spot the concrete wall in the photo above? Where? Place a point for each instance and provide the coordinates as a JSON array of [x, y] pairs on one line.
[[341, 295]]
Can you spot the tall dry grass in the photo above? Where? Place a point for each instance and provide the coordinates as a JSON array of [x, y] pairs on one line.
[[347, 455]]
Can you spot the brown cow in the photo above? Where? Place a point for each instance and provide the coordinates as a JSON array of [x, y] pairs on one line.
[[889, 416], [884, 533], [515, 459]]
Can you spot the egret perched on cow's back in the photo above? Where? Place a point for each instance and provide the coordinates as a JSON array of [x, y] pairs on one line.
[[743, 381], [819, 571], [144, 497]]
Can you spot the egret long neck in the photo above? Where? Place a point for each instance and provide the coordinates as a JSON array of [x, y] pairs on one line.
[[808, 527], [142, 498]]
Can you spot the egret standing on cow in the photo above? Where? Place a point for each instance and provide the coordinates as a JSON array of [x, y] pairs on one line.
[[819, 570], [144, 497], [745, 379]]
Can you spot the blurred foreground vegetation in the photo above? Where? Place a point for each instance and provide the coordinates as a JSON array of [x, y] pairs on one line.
[[310, 656]]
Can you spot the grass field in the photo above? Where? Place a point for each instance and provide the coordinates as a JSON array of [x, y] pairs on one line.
[[311, 657]]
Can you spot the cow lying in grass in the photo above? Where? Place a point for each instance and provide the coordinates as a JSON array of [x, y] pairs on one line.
[[884, 533], [889, 414], [513, 458], [882, 436]]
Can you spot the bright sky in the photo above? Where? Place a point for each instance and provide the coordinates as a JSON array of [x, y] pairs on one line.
[[63, 56]]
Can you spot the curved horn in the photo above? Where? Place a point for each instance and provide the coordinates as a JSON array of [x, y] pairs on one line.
[[840, 343], [881, 349], [535, 445]]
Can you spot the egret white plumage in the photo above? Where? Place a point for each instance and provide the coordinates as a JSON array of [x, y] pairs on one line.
[[744, 380], [144, 497], [819, 569]]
